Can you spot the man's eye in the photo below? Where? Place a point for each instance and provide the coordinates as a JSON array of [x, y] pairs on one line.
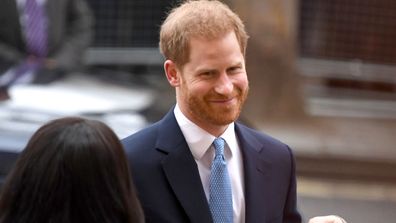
[[207, 73], [235, 69]]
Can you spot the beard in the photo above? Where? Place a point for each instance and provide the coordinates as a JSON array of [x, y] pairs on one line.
[[201, 108]]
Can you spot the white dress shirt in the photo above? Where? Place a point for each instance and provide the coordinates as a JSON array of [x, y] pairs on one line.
[[22, 2], [199, 141]]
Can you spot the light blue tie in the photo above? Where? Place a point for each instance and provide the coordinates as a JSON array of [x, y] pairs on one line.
[[220, 200]]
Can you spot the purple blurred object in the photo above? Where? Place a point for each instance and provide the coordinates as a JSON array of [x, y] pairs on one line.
[[36, 28]]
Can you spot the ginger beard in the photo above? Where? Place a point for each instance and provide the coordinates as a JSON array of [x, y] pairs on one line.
[[201, 108]]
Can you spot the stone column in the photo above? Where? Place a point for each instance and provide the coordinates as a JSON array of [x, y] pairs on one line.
[[271, 59]]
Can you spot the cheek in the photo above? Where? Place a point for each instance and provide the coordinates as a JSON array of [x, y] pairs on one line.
[[199, 88], [242, 82], [193, 91]]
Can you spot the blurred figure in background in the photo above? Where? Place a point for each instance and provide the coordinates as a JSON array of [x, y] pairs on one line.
[[72, 170], [41, 40]]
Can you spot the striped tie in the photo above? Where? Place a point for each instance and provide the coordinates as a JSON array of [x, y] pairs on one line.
[[220, 199], [36, 28]]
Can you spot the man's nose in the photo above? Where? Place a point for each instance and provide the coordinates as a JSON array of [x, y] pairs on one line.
[[224, 84]]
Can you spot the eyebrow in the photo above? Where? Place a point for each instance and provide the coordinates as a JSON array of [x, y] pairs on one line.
[[237, 64], [203, 70]]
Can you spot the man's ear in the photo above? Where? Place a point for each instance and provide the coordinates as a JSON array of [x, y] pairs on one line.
[[172, 73]]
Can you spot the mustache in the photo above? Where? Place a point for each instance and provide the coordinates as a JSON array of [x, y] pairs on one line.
[[236, 93]]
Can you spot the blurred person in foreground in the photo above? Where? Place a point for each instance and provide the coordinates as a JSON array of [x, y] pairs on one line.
[[41, 40], [72, 170], [178, 176]]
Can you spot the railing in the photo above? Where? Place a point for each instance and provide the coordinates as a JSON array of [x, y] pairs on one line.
[[123, 56]]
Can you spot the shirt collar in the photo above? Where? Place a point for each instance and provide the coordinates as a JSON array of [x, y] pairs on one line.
[[23, 2], [198, 140]]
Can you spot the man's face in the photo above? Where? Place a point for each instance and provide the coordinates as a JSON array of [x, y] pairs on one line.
[[213, 84]]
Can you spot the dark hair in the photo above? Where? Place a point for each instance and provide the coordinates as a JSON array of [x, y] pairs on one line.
[[72, 170]]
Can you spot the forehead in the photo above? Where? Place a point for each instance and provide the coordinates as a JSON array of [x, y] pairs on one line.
[[220, 48], [211, 37]]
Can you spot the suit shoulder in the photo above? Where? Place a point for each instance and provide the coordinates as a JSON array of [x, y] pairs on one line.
[[259, 135], [141, 137]]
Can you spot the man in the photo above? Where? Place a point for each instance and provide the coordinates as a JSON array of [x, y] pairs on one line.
[[172, 161], [61, 32]]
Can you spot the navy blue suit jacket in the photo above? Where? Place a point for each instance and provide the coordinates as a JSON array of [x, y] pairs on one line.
[[170, 189]]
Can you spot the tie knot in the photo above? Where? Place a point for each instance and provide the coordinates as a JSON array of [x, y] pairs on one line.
[[219, 146]]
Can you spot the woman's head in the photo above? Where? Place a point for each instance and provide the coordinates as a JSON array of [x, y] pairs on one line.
[[72, 170]]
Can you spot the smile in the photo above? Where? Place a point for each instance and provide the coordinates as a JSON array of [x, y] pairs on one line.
[[223, 101]]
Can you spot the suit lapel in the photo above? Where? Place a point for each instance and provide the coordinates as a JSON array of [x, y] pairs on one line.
[[12, 24], [181, 171], [256, 175], [55, 11]]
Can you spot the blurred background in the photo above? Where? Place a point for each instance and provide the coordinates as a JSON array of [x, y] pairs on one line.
[[322, 78]]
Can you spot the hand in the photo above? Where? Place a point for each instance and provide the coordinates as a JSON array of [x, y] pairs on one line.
[[327, 219], [50, 63], [46, 63]]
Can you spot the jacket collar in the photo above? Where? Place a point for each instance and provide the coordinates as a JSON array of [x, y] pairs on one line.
[[181, 171]]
